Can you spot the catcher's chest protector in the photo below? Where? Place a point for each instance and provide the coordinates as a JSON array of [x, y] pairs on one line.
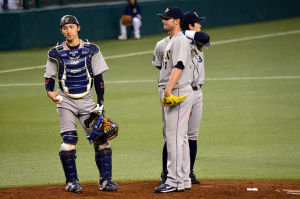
[[74, 68]]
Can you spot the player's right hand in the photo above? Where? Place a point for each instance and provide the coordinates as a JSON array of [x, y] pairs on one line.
[[98, 109], [52, 96]]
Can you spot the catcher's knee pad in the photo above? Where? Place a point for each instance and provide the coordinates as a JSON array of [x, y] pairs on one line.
[[67, 147], [70, 137], [67, 159], [104, 163]]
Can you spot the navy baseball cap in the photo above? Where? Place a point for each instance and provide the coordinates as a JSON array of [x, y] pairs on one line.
[[171, 12], [68, 19], [191, 18]]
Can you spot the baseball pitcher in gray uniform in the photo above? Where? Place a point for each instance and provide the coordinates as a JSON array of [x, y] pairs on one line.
[[175, 84], [200, 38], [78, 65]]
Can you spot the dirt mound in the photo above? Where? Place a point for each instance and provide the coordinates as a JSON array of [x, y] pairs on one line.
[[145, 190]]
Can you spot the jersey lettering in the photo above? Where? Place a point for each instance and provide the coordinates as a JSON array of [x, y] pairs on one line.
[[167, 55], [154, 58], [199, 59], [196, 53]]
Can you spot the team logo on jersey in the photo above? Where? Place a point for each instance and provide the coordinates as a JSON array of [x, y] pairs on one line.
[[73, 53], [74, 62], [75, 70], [167, 54]]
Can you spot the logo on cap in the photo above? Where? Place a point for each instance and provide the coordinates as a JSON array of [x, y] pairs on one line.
[[196, 14], [67, 19], [167, 10]]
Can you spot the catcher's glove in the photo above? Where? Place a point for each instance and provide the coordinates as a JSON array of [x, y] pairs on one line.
[[110, 128], [126, 19], [172, 100], [100, 126]]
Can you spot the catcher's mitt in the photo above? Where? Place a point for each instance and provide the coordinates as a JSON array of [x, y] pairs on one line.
[[172, 100], [110, 128], [126, 19], [99, 126]]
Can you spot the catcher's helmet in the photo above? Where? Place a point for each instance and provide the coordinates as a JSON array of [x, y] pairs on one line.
[[68, 19]]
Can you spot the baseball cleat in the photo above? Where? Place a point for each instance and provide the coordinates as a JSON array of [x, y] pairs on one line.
[[137, 36], [193, 178], [188, 188], [108, 185], [74, 187], [165, 188], [122, 37]]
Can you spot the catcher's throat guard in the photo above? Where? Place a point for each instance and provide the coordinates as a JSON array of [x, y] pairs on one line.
[[99, 126]]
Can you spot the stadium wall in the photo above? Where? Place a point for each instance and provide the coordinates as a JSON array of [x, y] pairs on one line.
[[40, 27]]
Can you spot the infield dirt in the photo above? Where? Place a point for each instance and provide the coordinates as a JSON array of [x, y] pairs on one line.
[[145, 190]]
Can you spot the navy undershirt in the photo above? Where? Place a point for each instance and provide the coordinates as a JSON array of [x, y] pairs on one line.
[[73, 47]]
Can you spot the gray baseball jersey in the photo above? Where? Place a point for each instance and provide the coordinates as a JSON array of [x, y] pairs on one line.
[[178, 49], [197, 66], [159, 50], [197, 82], [176, 118], [157, 60], [71, 108]]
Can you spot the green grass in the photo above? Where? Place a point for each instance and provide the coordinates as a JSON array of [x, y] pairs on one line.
[[250, 128]]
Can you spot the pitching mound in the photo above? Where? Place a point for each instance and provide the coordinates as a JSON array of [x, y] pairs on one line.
[[145, 190]]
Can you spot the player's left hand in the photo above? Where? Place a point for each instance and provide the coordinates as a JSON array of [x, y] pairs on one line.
[[172, 100]]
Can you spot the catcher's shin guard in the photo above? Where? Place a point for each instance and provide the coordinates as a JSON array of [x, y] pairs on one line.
[[104, 164], [67, 159], [103, 161]]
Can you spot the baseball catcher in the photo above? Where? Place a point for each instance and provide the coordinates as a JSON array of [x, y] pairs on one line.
[[78, 65]]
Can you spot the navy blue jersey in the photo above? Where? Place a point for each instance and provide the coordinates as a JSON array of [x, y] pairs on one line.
[[133, 11]]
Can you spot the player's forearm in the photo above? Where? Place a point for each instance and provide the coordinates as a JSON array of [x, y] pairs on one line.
[[174, 77], [49, 84], [99, 87]]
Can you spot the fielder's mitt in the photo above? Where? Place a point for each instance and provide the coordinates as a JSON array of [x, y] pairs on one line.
[[126, 19], [172, 100]]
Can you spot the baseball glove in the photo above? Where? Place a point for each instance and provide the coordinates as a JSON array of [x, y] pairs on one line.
[[172, 100], [126, 19], [110, 128], [100, 126]]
